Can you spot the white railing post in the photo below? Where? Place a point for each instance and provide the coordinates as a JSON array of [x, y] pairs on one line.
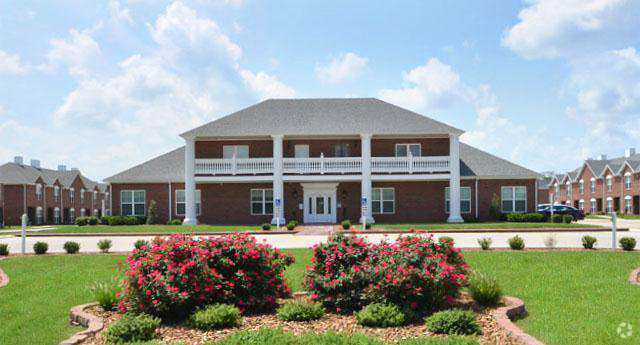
[[410, 163], [321, 163], [234, 164]]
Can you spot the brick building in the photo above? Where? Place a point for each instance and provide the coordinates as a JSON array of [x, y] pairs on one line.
[[601, 185], [48, 196], [323, 161]]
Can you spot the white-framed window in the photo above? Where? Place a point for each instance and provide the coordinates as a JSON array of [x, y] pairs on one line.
[[81, 196], [301, 151], [56, 193], [594, 206], [402, 150], [39, 191], [72, 215], [593, 185], [557, 186], [581, 205], [132, 202], [609, 204], [83, 212], [95, 212], [383, 200], [95, 195], [72, 195], [465, 200], [106, 197], [609, 183], [181, 205], [581, 186], [39, 215], [514, 199], [239, 151], [569, 191], [56, 215], [627, 181], [261, 201], [342, 150], [627, 204]]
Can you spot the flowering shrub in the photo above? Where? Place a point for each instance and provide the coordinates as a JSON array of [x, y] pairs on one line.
[[171, 277], [415, 273]]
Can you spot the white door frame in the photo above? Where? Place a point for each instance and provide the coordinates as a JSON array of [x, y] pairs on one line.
[[315, 190]]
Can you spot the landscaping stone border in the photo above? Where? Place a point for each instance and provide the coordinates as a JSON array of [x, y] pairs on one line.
[[634, 277], [93, 323], [514, 308]]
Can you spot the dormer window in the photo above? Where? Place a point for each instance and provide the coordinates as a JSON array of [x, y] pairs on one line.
[[72, 195], [609, 183], [82, 197], [56, 193], [627, 181], [39, 191]]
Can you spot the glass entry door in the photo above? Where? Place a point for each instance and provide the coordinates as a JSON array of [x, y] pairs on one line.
[[320, 207]]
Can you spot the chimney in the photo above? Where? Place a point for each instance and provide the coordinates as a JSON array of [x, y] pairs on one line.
[[603, 157], [18, 160], [62, 168], [35, 163], [630, 152]]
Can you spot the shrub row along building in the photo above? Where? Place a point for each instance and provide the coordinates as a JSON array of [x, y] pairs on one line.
[[601, 185], [324, 161], [48, 196]]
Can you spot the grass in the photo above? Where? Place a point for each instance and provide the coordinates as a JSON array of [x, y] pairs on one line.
[[631, 216], [466, 226], [73, 229]]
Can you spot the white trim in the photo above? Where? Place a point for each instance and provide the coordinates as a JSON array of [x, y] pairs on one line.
[[320, 190], [513, 200], [447, 197], [198, 196], [133, 202]]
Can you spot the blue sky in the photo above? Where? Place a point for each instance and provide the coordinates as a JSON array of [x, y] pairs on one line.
[[103, 85]]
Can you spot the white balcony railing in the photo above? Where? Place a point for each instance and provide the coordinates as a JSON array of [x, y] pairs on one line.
[[322, 165]]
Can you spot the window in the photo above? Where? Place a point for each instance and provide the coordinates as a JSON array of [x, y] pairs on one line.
[[83, 212], [39, 191], [557, 188], [132, 202], [39, 215], [106, 197], [261, 201], [95, 195], [82, 196], [627, 204], [72, 215], [402, 150], [239, 151], [581, 205], [56, 215], [569, 191], [341, 150], [383, 201], [609, 205], [72, 195], [465, 199], [301, 151], [627, 181], [594, 206], [593, 185], [56, 194], [95, 212], [181, 205], [514, 199], [609, 183], [581, 186]]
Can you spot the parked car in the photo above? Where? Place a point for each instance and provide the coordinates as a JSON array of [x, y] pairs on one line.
[[561, 209]]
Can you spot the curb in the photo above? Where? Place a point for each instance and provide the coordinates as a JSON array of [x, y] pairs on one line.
[[477, 231], [634, 277], [503, 315], [138, 234], [4, 278], [93, 323]]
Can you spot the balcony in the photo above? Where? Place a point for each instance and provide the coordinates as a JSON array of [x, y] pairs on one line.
[[322, 165]]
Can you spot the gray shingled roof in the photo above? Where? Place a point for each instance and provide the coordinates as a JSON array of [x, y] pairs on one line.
[[169, 167], [12, 173], [325, 116], [597, 165]]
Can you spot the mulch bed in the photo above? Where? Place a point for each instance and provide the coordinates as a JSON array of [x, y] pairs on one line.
[[492, 333]]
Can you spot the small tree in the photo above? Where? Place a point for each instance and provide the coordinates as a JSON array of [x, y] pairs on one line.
[[494, 208], [152, 213]]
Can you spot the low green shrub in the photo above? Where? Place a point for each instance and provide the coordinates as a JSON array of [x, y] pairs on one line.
[[445, 239], [380, 315], [291, 225], [484, 289], [215, 316], [271, 336], [105, 293], [367, 226], [104, 245], [140, 243], [588, 242], [122, 220], [533, 217], [131, 327], [93, 221], [333, 338], [40, 248], [176, 221], [485, 243], [628, 243], [346, 224], [450, 340], [516, 243], [454, 321], [557, 218], [567, 219], [82, 221], [71, 247], [4, 249], [300, 311], [266, 226], [469, 218]]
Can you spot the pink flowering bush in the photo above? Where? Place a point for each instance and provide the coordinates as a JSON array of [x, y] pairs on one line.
[[415, 273], [172, 277]]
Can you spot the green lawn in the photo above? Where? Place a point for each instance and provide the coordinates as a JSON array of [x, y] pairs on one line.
[[464, 226], [571, 297], [151, 228]]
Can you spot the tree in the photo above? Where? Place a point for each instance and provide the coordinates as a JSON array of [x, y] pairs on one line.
[[152, 213]]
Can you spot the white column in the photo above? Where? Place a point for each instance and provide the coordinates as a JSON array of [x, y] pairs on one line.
[[278, 183], [365, 186], [190, 182], [454, 181]]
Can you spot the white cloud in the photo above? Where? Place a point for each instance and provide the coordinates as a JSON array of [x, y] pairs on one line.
[[78, 53], [344, 67], [266, 86], [12, 64], [119, 13], [430, 86]]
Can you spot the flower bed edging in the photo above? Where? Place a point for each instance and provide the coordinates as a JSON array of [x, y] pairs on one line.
[[93, 323], [514, 308], [634, 277]]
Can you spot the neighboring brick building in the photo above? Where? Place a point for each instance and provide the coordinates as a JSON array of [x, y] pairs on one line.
[[48, 196], [319, 161], [601, 185]]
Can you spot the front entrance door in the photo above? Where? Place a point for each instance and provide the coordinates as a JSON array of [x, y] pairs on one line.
[[319, 204]]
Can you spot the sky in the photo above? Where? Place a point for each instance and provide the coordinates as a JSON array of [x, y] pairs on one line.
[[105, 85]]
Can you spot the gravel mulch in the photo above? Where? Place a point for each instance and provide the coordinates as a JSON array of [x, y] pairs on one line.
[[492, 333]]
